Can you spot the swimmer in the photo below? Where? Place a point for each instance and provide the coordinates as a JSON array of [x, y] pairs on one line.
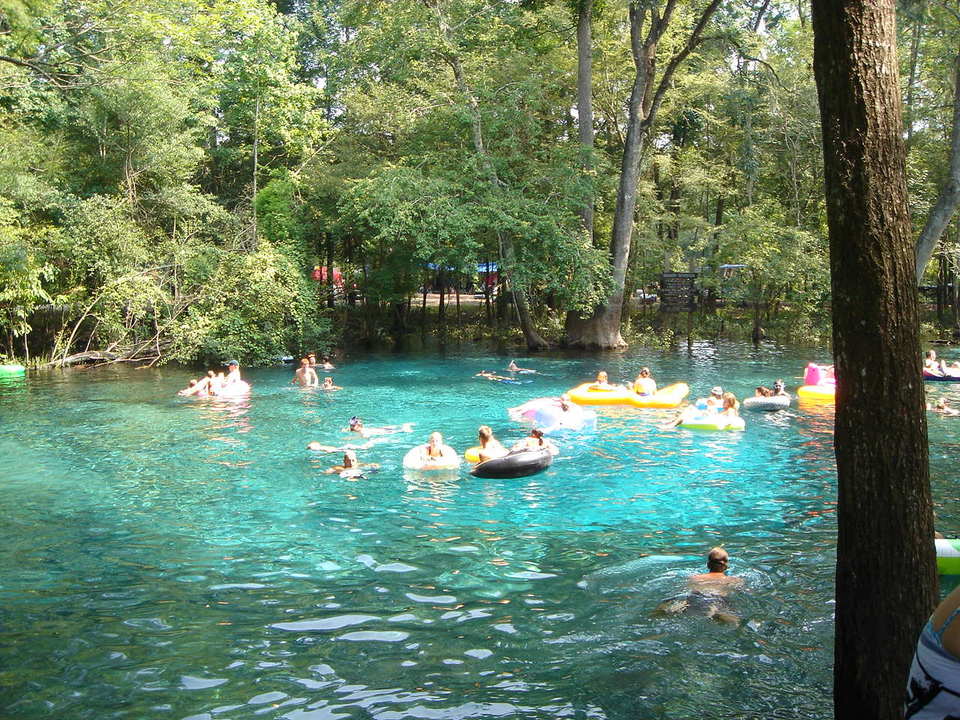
[[941, 407], [328, 384], [490, 447], [708, 591], [305, 376], [492, 376], [351, 467], [355, 424], [327, 365], [644, 384], [513, 367]]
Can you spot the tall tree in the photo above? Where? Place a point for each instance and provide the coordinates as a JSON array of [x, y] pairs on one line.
[[886, 582], [649, 24]]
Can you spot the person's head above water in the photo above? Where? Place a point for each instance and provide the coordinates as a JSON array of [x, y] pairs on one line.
[[353, 423], [779, 385], [484, 434], [435, 439], [602, 376], [644, 372], [729, 400], [717, 560], [931, 354], [349, 459], [304, 362], [717, 391]]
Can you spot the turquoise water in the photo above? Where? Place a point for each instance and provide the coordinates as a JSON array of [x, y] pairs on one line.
[[169, 557]]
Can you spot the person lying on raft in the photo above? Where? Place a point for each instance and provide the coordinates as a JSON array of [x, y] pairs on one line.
[[305, 376], [644, 384], [196, 387], [708, 591], [355, 424], [534, 441], [514, 368], [490, 447], [351, 466], [328, 384]]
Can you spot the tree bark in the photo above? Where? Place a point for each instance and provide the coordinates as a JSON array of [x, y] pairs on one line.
[[602, 329], [949, 197], [508, 253], [585, 100], [886, 581]]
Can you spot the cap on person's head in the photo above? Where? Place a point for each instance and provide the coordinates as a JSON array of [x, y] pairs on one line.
[[354, 421], [717, 390], [231, 363]]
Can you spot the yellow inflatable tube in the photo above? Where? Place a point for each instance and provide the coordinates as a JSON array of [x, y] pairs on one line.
[[818, 393], [668, 397], [472, 454]]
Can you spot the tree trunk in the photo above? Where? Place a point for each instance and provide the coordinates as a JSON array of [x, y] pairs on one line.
[[949, 196], [585, 100], [886, 583], [533, 339], [602, 328]]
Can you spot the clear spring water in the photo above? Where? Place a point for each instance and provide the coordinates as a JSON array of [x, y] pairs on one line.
[[174, 558]]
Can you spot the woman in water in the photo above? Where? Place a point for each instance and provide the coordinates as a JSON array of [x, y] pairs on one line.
[[534, 441], [602, 382], [355, 424], [644, 384], [351, 466], [933, 688], [490, 447], [731, 406]]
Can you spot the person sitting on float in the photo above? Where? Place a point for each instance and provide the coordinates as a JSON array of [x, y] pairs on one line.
[[534, 441], [779, 388], [644, 384], [715, 400], [233, 374], [931, 366], [602, 382], [436, 452], [731, 406], [196, 387], [763, 391], [490, 447]]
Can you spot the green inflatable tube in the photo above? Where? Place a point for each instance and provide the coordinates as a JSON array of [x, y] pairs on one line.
[[12, 369], [948, 556]]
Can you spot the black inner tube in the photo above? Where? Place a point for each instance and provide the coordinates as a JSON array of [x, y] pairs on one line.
[[516, 464]]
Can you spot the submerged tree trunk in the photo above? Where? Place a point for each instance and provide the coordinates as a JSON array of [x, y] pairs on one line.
[[602, 328], [886, 583], [949, 197]]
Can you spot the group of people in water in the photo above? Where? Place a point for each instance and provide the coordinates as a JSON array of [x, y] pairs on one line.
[[214, 383], [306, 374]]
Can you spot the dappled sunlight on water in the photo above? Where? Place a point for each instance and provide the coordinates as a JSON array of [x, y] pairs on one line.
[[187, 558]]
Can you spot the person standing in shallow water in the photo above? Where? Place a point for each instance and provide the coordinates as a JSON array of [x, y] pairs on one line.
[[305, 376]]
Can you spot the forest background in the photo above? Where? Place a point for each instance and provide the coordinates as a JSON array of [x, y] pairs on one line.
[[194, 180]]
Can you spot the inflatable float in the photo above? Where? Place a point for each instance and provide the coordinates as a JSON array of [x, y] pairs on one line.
[[416, 459], [520, 463], [817, 393], [668, 397], [713, 421], [548, 415], [940, 378], [948, 556], [770, 404], [12, 370], [233, 391]]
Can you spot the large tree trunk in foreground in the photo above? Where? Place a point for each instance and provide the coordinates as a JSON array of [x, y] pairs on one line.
[[949, 196], [886, 582]]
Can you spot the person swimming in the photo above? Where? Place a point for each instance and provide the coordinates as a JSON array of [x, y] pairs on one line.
[[514, 368], [708, 591], [305, 375], [351, 466], [355, 424], [328, 384], [534, 441]]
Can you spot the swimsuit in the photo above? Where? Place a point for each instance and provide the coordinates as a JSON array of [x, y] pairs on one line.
[[929, 697]]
